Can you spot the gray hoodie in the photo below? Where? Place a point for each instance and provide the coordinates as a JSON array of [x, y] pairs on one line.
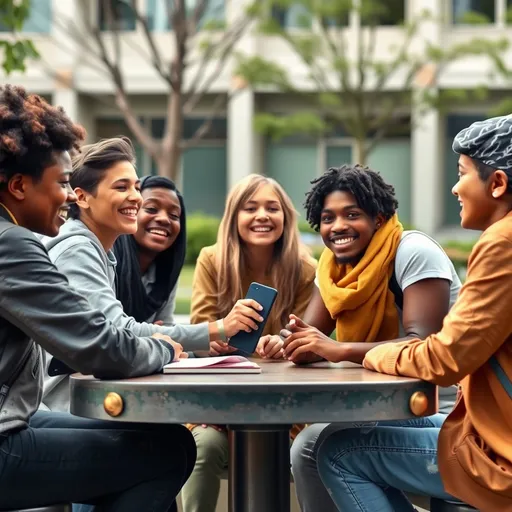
[[78, 254]]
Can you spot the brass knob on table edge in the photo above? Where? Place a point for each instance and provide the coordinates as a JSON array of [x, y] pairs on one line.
[[113, 404], [418, 403]]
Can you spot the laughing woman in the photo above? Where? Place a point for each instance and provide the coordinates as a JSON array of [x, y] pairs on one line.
[[258, 240], [108, 191], [150, 261]]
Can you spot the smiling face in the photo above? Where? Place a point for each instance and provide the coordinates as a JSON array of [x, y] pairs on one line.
[[46, 200], [475, 196], [260, 219], [345, 228], [158, 220], [113, 208]]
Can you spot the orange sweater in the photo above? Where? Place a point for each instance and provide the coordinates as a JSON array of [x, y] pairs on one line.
[[475, 442], [204, 296]]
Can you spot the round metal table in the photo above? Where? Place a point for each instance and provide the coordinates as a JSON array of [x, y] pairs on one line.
[[259, 410]]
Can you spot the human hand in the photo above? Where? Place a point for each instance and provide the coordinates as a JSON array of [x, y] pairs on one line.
[[220, 348], [270, 347], [159, 322], [242, 317], [306, 344], [178, 348]]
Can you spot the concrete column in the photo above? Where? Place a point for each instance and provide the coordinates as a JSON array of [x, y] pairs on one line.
[[245, 146], [427, 160]]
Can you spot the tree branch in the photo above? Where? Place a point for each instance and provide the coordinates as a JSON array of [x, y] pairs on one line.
[[155, 54], [198, 82], [218, 107]]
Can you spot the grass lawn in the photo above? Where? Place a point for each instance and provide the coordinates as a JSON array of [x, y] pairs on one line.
[[184, 290]]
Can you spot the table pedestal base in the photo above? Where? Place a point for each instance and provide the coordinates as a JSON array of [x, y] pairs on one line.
[[259, 468]]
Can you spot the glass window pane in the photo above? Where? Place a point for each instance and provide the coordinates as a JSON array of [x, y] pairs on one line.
[[383, 12], [158, 12], [473, 12], [204, 179], [218, 129], [293, 167], [336, 156], [39, 19], [296, 16], [122, 13]]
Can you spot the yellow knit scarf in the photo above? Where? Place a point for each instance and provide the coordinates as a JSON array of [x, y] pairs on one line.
[[358, 298]]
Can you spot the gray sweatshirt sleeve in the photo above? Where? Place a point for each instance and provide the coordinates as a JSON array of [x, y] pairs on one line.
[[166, 312], [87, 273], [37, 299]]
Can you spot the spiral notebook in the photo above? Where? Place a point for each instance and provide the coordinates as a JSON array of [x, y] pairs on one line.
[[223, 364]]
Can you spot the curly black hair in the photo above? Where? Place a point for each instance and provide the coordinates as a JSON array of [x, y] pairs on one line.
[[30, 131], [373, 195]]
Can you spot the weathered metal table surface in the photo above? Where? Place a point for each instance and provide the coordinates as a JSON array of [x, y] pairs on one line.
[[259, 409]]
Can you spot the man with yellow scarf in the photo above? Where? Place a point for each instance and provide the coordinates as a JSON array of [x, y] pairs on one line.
[[375, 283]]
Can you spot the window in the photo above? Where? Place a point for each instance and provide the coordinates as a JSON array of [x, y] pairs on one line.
[[473, 12], [121, 12], [293, 166], [218, 129], [383, 12], [158, 13], [39, 20], [295, 16]]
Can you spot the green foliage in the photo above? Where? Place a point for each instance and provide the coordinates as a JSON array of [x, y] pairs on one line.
[[304, 227], [279, 127], [201, 232], [15, 52], [351, 88], [473, 18]]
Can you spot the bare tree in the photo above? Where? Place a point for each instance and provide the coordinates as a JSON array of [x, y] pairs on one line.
[[358, 90], [201, 49]]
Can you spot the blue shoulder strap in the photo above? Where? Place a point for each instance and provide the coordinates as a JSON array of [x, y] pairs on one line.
[[502, 376]]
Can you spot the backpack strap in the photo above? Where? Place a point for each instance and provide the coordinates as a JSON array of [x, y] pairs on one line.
[[396, 290], [502, 376]]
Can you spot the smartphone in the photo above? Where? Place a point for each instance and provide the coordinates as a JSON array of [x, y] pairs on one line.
[[246, 342]]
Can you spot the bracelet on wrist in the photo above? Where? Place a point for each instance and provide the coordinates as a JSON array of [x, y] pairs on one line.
[[222, 330]]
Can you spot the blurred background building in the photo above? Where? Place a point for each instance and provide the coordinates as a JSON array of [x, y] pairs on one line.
[[420, 163]]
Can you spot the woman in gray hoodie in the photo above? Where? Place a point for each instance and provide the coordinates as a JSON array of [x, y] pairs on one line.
[[108, 191]]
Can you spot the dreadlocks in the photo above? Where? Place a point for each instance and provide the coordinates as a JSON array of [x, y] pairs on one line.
[[372, 193]]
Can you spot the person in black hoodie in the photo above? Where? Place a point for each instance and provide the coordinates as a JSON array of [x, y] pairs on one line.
[[46, 457], [150, 261]]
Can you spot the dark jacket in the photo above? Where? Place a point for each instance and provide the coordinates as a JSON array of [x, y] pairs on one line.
[[38, 305]]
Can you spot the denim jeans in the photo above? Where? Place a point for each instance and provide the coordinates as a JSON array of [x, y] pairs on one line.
[[311, 492], [115, 467], [366, 469]]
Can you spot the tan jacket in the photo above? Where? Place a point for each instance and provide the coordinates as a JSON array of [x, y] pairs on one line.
[[475, 443]]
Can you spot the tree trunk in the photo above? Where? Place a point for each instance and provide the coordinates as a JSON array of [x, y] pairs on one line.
[[169, 164], [360, 149]]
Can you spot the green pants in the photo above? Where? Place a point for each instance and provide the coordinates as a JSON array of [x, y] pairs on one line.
[[201, 492]]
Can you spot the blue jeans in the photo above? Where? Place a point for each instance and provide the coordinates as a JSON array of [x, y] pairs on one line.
[[366, 469], [115, 467]]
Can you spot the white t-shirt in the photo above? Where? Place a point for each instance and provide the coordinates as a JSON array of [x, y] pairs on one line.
[[420, 257]]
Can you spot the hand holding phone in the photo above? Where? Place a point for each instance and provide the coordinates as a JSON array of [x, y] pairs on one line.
[[247, 339], [244, 316]]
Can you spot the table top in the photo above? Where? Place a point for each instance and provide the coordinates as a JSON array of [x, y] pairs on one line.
[[282, 394]]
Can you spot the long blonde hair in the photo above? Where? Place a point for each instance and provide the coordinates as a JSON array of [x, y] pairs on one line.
[[288, 258]]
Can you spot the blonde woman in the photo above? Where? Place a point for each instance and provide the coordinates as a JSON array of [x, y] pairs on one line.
[[258, 240]]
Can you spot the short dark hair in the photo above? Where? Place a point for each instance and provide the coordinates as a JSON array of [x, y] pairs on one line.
[[90, 166], [31, 130], [373, 195]]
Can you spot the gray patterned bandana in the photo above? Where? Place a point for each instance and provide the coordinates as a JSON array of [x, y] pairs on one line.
[[489, 142]]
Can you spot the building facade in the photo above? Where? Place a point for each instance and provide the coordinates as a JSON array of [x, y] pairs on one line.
[[419, 164]]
